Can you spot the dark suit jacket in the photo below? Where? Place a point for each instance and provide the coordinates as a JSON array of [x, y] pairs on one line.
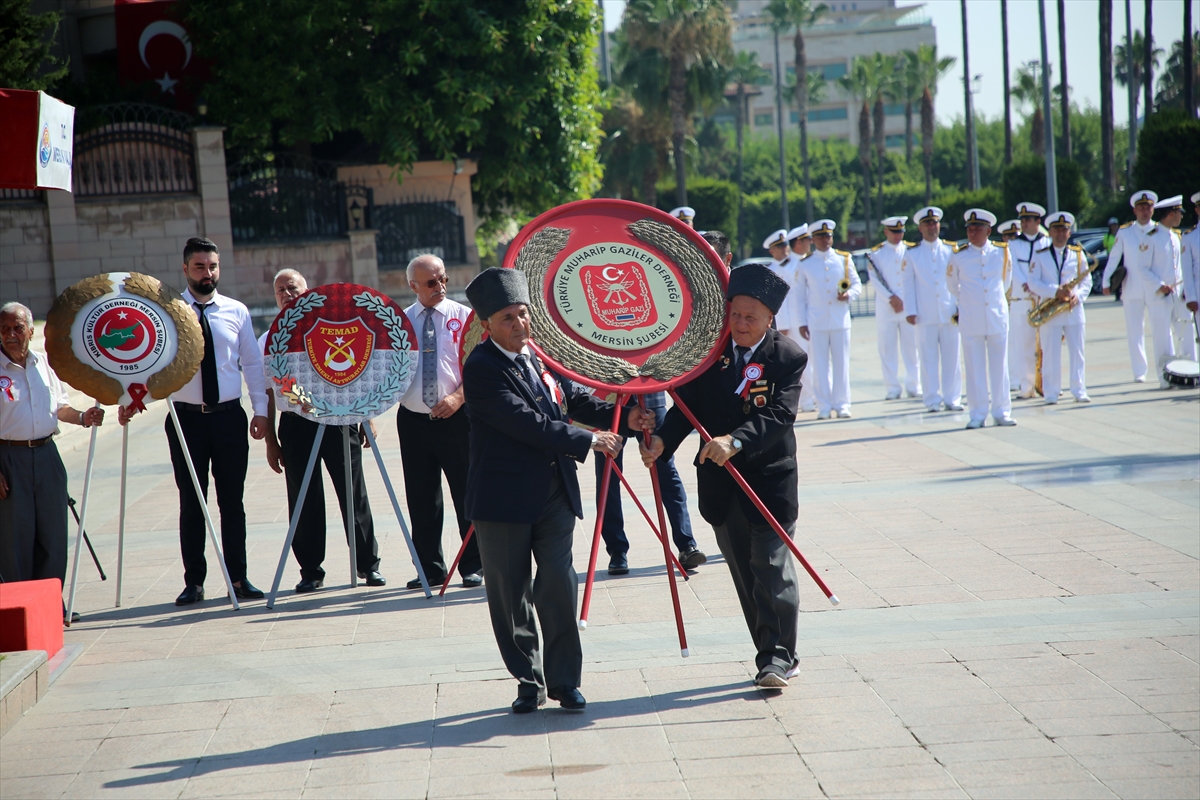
[[515, 447], [768, 457]]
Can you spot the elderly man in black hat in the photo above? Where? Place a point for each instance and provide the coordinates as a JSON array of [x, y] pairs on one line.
[[747, 401], [522, 491]]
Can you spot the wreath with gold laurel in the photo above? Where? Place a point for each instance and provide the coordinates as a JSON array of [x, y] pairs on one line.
[[100, 385], [400, 367]]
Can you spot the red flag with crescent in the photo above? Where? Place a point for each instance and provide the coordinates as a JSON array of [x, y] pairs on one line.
[[153, 44]]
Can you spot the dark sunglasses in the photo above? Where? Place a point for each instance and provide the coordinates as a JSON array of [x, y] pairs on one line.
[[433, 283]]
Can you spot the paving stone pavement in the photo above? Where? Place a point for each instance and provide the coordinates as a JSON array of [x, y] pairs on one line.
[[1019, 618]]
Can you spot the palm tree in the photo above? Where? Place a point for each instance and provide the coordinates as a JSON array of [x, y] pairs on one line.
[[884, 74], [1129, 62], [745, 71], [1007, 88], [1065, 91], [1149, 61], [860, 84], [635, 149], [1107, 153], [1171, 83], [799, 14], [927, 71], [684, 32], [1028, 89]]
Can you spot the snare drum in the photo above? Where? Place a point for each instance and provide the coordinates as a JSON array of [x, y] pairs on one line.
[[1182, 372]]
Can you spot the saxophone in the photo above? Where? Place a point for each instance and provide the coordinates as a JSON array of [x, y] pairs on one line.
[[1051, 307]]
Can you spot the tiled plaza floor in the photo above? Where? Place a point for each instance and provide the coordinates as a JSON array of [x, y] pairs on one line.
[[1019, 618]]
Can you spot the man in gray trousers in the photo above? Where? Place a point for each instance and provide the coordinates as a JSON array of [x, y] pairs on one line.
[[523, 493]]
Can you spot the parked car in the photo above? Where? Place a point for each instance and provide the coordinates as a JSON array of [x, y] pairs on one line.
[[755, 260]]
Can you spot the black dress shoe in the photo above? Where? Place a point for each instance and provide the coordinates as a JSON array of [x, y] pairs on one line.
[[309, 585], [415, 583], [618, 565], [373, 578], [528, 703], [247, 591], [74, 618], [190, 594], [472, 580], [568, 697], [692, 558]]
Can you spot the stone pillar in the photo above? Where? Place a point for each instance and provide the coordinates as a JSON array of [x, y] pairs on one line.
[[64, 241], [213, 185], [364, 267]]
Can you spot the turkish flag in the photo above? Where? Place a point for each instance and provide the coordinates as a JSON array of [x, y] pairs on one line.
[[153, 45]]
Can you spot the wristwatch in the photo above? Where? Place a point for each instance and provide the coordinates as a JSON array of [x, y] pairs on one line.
[[737, 444], [595, 439]]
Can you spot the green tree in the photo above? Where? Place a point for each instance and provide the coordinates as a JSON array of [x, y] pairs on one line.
[[25, 60], [1025, 181], [745, 72], [512, 85], [1028, 91], [1170, 82], [1166, 157], [799, 14], [1128, 64], [684, 32], [927, 69]]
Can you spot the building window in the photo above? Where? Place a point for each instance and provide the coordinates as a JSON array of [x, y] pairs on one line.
[[831, 72], [894, 109], [827, 114], [763, 118]]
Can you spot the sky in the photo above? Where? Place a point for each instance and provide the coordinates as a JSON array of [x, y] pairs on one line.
[[983, 23]]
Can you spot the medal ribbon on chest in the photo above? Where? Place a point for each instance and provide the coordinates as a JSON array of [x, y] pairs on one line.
[[454, 326], [750, 374], [6, 386]]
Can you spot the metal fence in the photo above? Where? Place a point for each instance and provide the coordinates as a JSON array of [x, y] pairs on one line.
[[280, 196], [21, 195], [409, 229], [133, 148]]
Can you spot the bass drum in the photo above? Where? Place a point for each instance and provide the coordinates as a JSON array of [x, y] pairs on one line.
[[1182, 372]]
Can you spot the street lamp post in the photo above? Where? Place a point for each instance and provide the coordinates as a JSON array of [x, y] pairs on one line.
[[974, 142], [1051, 170], [779, 128]]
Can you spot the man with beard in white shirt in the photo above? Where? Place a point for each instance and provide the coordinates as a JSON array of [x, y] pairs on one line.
[[801, 244], [1149, 283], [978, 276], [1181, 317], [1022, 338], [1052, 269], [932, 309], [888, 261], [826, 282]]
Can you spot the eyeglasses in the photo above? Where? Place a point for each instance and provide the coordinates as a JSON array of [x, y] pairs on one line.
[[433, 283]]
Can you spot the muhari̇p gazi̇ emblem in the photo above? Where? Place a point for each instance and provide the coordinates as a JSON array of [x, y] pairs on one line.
[[339, 351], [618, 295]]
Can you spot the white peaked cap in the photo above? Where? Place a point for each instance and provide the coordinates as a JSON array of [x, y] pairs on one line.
[[798, 232], [928, 212], [1061, 219], [1144, 196], [1170, 202], [1028, 209], [895, 222], [1009, 226], [822, 226], [978, 215], [683, 212], [778, 237]]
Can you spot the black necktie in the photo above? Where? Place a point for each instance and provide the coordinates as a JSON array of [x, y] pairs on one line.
[[539, 391], [208, 365], [742, 353]]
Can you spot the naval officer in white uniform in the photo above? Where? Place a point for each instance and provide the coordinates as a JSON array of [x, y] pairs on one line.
[[979, 275], [932, 309], [801, 244], [1022, 338], [1052, 269], [888, 261], [1171, 211], [826, 282], [1145, 248], [1191, 263]]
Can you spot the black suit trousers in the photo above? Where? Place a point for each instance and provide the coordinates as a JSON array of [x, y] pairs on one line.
[[428, 448], [219, 440], [296, 435]]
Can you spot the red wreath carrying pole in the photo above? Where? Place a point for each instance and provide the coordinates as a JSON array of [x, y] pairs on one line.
[[662, 525], [601, 503], [737, 476], [457, 558], [621, 477]]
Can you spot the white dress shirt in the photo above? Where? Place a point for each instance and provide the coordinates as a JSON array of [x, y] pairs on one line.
[[30, 397], [1190, 256], [237, 352], [925, 292], [1052, 268], [979, 278], [786, 269], [817, 280], [449, 370], [1021, 252]]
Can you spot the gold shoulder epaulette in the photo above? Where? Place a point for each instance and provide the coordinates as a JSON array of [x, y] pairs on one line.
[[1176, 231], [1044, 249], [1001, 244], [1127, 224], [1075, 248], [842, 252], [1190, 230], [807, 255], [957, 248], [877, 247], [1152, 231], [948, 243], [912, 244]]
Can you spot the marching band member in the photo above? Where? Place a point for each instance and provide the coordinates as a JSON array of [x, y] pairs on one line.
[[1191, 262], [826, 282], [888, 260], [1149, 283], [1022, 338], [1181, 317], [931, 308], [1052, 270], [978, 276], [747, 401], [801, 244], [684, 214]]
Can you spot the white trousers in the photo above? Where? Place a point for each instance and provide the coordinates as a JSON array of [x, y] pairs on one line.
[[939, 343], [1136, 305], [829, 361], [1181, 328], [890, 328], [986, 359], [1022, 346], [808, 397], [1052, 339]]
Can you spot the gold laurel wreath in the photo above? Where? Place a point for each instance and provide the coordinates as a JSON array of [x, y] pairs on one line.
[[98, 384], [703, 329], [472, 334]]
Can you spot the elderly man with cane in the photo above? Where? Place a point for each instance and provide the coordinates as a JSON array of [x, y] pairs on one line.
[[523, 493]]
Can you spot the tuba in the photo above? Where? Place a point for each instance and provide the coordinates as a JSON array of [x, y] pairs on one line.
[[1051, 307]]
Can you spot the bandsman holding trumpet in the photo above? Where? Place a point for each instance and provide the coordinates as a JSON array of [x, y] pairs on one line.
[[1022, 339], [826, 282], [1060, 273]]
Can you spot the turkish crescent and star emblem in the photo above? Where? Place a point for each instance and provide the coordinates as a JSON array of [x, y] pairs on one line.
[[339, 351], [618, 295], [124, 334]]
